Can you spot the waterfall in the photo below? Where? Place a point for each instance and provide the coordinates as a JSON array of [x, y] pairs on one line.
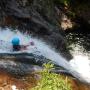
[[42, 48]]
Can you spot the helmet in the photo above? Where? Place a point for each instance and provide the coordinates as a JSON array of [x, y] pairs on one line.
[[15, 41]]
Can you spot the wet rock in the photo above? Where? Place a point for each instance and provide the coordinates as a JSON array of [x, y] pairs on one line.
[[20, 64], [24, 64]]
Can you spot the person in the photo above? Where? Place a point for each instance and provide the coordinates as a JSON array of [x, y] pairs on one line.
[[16, 44], [18, 47]]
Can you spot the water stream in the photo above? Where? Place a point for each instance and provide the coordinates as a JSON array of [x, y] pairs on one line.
[[75, 67]]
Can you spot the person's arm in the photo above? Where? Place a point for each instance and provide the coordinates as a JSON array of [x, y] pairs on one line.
[[25, 46]]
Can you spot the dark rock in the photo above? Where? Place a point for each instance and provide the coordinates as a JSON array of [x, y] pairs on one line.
[[25, 64]]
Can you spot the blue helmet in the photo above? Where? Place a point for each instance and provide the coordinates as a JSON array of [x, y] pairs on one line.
[[15, 41]]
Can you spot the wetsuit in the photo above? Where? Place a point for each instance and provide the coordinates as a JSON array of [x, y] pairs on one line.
[[16, 47]]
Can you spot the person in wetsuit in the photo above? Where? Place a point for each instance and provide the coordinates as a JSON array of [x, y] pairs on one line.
[[17, 46]]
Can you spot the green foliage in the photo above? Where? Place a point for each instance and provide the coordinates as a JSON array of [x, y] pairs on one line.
[[51, 81], [65, 2]]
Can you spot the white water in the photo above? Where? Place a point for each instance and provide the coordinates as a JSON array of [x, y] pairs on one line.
[[80, 61], [81, 64], [49, 53]]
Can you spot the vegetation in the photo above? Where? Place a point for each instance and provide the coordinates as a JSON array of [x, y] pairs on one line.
[[51, 81], [65, 2]]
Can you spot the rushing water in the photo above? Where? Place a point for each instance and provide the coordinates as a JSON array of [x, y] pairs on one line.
[[79, 44], [41, 48]]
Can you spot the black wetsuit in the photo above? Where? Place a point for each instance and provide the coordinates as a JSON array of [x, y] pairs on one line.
[[16, 47]]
